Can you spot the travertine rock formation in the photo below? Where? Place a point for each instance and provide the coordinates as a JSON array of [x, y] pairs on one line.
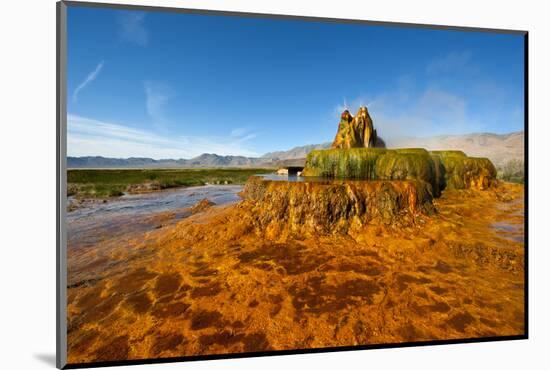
[[440, 169], [458, 171], [333, 206], [355, 132]]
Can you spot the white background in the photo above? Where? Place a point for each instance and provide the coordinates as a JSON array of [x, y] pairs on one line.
[[27, 182]]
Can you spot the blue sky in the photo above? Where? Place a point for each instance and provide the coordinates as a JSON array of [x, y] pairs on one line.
[[172, 85]]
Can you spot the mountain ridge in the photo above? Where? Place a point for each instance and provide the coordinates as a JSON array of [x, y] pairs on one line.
[[499, 148]]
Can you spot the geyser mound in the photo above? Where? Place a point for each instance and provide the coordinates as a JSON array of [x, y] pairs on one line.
[[333, 206], [364, 183]]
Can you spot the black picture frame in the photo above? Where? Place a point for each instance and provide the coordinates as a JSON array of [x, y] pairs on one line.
[[61, 168]]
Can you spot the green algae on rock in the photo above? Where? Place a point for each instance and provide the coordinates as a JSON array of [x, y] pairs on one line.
[[354, 155], [408, 164], [463, 172], [357, 163], [440, 169]]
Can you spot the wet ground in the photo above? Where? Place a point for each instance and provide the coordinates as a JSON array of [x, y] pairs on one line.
[[168, 283], [92, 221]]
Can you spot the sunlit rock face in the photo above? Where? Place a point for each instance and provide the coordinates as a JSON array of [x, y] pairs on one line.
[[333, 206], [355, 132]]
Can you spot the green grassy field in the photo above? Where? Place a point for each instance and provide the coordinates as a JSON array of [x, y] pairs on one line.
[[103, 183]]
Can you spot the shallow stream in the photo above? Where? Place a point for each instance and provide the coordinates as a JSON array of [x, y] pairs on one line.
[[95, 221]]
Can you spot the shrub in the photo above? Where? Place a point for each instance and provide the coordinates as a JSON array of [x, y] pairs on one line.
[[512, 171]]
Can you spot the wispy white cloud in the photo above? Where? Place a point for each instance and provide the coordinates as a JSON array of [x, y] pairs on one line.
[[407, 112], [157, 98], [157, 94], [239, 132], [132, 28], [242, 134], [410, 110], [91, 76], [430, 112], [89, 137], [456, 61]]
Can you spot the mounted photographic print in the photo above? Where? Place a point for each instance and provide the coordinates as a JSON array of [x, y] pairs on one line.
[[234, 184]]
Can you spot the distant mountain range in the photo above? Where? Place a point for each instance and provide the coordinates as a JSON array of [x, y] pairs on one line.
[[498, 148], [202, 161], [296, 152]]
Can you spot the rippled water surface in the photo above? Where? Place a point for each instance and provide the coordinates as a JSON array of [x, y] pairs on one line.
[[97, 221]]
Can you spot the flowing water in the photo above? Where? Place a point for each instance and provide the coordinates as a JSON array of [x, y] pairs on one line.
[[95, 221], [511, 225]]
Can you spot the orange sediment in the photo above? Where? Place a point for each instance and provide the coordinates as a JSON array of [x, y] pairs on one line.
[[216, 283]]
